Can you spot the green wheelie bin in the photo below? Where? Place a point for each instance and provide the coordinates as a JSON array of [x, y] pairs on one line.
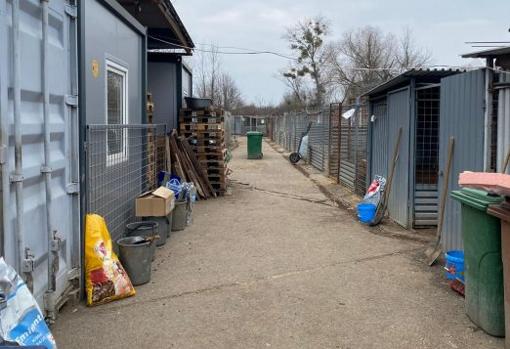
[[482, 257], [254, 144], [503, 213]]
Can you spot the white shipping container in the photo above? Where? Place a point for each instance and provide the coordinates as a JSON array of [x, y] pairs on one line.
[[22, 36]]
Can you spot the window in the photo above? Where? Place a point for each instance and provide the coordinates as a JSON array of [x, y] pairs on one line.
[[116, 112]]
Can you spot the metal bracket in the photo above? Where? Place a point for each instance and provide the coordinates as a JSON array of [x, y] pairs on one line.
[[28, 265], [14, 178], [55, 245], [71, 11], [73, 188], [74, 274], [46, 169], [71, 100], [3, 154]]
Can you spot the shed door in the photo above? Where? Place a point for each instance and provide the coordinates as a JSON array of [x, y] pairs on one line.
[[379, 145], [399, 117], [462, 116], [63, 124]]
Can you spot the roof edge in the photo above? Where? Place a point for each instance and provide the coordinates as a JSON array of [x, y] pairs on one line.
[[413, 73]]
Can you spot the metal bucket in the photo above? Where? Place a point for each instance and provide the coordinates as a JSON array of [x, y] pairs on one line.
[[136, 255], [146, 229], [170, 222], [164, 227], [180, 216]]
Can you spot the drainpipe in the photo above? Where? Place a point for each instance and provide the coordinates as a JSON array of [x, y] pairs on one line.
[[52, 239], [489, 77], [25, 258]]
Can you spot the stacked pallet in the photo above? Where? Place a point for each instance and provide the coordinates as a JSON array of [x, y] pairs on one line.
[[204, 130], [151, 153]]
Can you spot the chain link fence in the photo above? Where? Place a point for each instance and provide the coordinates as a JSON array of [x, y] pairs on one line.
[[337, 143], [123, 161]]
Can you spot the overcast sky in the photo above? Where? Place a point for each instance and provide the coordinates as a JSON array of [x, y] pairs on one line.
[[442, 26]]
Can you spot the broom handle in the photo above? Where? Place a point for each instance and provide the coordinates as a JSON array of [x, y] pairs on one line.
[[444, 192], [507, 161]]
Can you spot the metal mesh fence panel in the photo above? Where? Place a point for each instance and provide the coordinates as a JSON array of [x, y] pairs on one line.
[[319, 141], [353, 148], [337, 145], [123, 161], [335, 111]]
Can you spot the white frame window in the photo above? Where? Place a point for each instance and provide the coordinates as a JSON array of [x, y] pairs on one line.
[[120, 135]]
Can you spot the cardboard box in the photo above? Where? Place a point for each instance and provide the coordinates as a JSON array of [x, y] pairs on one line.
[[158, 203]]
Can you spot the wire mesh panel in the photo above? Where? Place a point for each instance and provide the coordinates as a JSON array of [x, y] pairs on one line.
[[361, 141], [335, 111], [427, 156], [123, 161]]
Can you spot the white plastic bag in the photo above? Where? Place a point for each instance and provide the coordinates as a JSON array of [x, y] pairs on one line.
[[303, 149], [373, 195], [21, 319]]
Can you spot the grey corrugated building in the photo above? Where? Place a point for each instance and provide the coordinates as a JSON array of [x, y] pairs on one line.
[[430, 106]]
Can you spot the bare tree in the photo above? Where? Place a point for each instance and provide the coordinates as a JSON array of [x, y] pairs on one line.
[[409, 55], [229, 94], [299, 90], [214, 83], [306, 39], [366, 57]]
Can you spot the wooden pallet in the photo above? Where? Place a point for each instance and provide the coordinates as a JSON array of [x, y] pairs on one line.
[[212, 163], [212, 154], [197, 112], [219, 186], [194, 142], [216, 170], [201, 119], [201, 127], [207, 148], [204, 136], [207, 111]]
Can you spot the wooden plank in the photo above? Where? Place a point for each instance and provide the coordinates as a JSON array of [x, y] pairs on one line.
[[196, 167], [188, 167], [168, 155], [178, 166], [199, 168]]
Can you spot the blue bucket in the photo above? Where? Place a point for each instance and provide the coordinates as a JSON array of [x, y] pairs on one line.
[[366, 212], [454, 265]]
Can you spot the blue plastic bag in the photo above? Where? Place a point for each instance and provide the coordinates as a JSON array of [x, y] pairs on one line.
[[22, 321]]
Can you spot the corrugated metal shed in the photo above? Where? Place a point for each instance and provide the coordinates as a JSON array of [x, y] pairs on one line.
[[462, 117]]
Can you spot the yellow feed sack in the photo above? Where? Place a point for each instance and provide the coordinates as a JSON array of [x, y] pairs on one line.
[[106, 280]]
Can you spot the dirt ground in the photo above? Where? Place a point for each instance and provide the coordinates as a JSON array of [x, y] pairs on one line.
[[276, 264]]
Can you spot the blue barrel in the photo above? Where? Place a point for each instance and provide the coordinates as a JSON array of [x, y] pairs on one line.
[[454, 265], [366, 212]]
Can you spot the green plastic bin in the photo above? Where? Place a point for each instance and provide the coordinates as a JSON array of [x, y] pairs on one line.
[[254, 144], [482, 257]]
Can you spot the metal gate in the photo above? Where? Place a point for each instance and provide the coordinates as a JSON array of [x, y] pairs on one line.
[[40, 174], [399, 117], [318, 141], [426, 156]]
